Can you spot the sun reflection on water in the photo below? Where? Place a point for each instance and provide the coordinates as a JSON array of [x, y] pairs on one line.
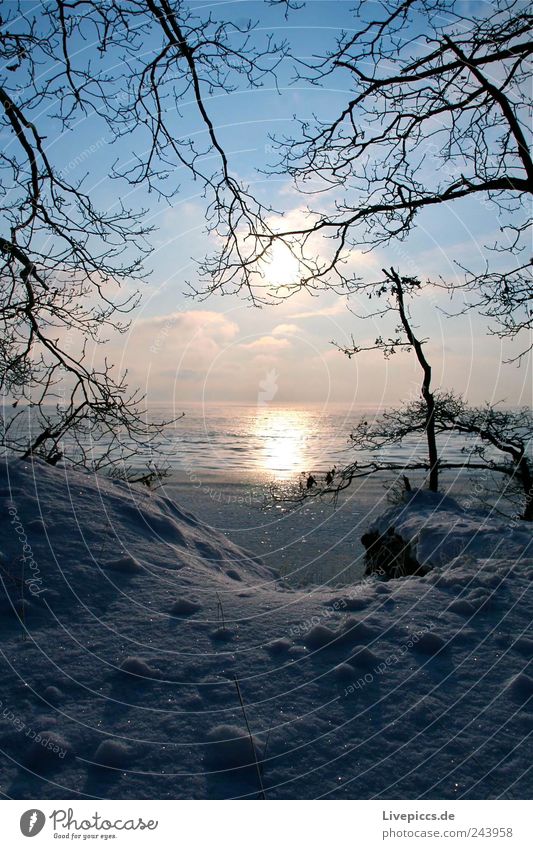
[[283, 436]]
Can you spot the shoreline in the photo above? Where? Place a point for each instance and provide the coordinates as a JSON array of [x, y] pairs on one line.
[[313, 543]]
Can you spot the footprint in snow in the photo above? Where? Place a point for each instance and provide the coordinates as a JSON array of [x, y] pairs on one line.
[[429, 644], [48, 750], [462, 607], [112, 753], [521, 687], [221, 635], [280, 646], [185, 607], [138, 667], [364, 659], [127, 565], [230, 747]]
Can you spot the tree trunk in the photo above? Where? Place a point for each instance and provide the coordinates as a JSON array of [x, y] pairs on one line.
[[526, 477], [427, 394], [431, 438]]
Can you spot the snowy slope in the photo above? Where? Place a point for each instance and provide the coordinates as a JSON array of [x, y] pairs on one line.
[[137, 621]]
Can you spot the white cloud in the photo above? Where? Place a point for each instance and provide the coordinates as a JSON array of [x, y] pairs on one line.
[[286, 330], [164, 351], [188, 323], [267, 344]]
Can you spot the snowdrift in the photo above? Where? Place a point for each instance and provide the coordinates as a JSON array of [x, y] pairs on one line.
[[124, 625]]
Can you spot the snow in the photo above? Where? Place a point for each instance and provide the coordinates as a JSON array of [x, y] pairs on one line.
[[184, 607], [46, 750], [112, 753], [123, 629], [138, 666], [279, 646], [128, 565], [231, 747]]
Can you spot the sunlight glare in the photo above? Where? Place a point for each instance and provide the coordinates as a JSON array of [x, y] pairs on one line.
[[283, 436], [282, 268]]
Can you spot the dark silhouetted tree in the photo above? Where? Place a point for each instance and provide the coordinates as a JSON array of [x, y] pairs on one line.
[[437, 111], [64, 261]]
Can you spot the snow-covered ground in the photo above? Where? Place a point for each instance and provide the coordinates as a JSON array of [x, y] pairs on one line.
[[125, 624]]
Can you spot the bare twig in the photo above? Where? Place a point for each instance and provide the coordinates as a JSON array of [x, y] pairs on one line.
[[252, 742]]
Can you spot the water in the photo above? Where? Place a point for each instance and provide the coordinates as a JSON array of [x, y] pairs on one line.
[[266, 442], [259, 443], [275, 443], [225, 460]]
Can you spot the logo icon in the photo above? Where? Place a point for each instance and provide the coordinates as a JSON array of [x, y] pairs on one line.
[[268, 388], [32, 822]]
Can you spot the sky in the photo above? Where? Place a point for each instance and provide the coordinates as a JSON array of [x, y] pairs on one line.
[[223, 350]]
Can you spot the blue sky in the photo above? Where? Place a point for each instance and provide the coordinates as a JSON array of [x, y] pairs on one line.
[[221, 349]]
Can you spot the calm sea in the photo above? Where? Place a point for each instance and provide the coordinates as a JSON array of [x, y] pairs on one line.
[[273, 442], [224, 461]]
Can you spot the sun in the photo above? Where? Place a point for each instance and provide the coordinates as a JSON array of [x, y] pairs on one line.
[[281, 268]]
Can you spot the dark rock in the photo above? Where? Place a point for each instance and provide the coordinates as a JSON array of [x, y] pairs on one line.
[[389, 555]]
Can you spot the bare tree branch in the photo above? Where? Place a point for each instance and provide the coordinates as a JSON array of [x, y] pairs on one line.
[[438, 111]]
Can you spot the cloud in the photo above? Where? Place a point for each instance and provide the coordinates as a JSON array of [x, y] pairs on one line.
[[163, 351], [188, 324], [286, 330], [267, 344], [337, 308]]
